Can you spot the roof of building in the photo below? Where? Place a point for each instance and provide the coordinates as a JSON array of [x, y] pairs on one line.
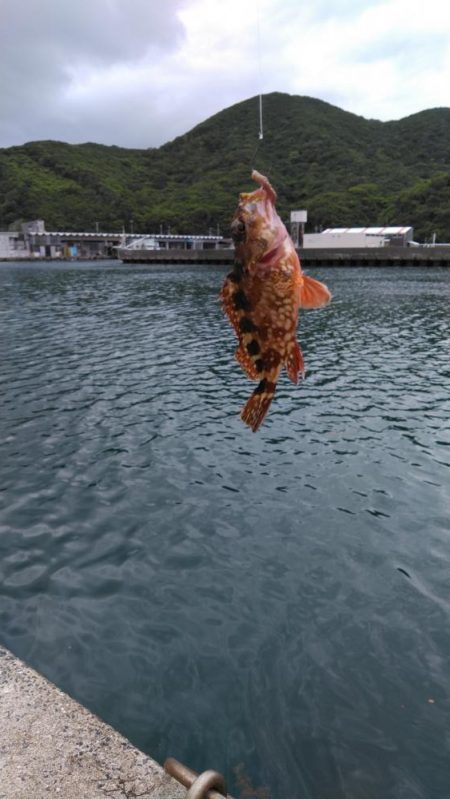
[[370, 231], [157, 236]]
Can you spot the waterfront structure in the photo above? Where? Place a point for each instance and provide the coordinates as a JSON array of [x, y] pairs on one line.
[[52, 746], [34, 241], [211, 249], [333, 238], [69, 244], [320, 256], [391, 246], [12, 245], [298, 221]]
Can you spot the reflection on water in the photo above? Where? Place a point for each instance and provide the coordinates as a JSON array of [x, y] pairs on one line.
[[238, 601]]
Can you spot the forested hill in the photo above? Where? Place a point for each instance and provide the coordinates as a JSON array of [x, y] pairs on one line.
[[346, 170]]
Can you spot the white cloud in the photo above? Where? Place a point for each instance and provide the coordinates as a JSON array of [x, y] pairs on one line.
[[139, 73]]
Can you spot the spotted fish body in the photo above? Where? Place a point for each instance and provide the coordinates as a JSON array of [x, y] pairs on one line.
[[262, 296]]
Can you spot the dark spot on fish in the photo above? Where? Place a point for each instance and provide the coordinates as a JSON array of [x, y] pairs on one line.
[[238, 270], [253, 347], [234, 278], [403, 571], [261, 387], [265, 387], [259, 365], [238, 231], [246, 325], [241, 302]]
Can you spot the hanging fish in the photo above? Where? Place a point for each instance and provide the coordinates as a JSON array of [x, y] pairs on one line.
[[262, 296]]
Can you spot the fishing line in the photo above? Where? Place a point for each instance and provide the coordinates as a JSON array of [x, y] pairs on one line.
[[258, 49], [258, 39]]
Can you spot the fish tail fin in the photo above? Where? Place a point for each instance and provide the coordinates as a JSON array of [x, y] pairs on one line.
[[255, 409]]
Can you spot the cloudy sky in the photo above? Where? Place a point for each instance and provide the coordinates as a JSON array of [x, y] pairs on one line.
[[137, 73]]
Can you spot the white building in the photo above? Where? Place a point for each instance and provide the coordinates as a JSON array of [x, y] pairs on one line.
[[35, 226], [12, 245], [359, 237]]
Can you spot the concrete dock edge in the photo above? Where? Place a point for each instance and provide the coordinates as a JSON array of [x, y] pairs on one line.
[[50, 746]]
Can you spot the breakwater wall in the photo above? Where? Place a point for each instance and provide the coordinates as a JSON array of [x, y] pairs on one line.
[[377, 256], [368, 256]]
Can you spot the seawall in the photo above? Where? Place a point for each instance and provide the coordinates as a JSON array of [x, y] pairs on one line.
[[50, 746], [350, 256]]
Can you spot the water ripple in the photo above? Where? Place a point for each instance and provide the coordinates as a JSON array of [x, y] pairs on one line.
[[273, 605]]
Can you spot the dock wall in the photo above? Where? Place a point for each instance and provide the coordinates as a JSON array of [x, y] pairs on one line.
[[368, 256], [50, 746]]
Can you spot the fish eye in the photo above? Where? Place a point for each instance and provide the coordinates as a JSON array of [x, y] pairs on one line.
[[238, 226], [238, 231]]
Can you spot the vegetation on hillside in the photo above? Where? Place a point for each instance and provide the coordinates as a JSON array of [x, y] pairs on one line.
[[346, 170]]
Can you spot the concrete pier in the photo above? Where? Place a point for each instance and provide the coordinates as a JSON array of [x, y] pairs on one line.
[[52, 747], [350, 256]]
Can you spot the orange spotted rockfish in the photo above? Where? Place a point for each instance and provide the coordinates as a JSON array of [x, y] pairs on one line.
[[262, 296]]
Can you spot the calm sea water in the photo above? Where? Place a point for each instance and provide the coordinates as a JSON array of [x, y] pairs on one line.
[[273, 605]]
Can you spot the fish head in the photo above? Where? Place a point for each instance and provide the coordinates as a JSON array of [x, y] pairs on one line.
[[255, 225]]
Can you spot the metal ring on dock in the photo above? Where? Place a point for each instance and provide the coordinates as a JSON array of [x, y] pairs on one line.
[[208, 785], [206, 780]]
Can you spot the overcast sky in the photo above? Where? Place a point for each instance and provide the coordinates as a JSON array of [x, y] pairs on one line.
[[137, 73]]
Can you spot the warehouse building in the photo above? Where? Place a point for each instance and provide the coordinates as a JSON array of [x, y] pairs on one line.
[[359, 237]]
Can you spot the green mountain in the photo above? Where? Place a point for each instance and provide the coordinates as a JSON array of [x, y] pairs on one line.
[[346, 170]]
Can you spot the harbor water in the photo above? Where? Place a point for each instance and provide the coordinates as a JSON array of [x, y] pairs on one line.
[[274, 605]]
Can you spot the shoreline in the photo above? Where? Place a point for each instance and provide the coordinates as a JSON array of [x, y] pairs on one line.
[[419, 256], [368, 256], [52, 746]]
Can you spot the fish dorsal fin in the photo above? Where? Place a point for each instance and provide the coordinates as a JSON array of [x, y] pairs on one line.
[[313, 293]]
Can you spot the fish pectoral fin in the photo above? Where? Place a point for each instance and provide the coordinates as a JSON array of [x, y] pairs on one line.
[[228, 295], [246, 361], [313, 293], [295, 364]]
